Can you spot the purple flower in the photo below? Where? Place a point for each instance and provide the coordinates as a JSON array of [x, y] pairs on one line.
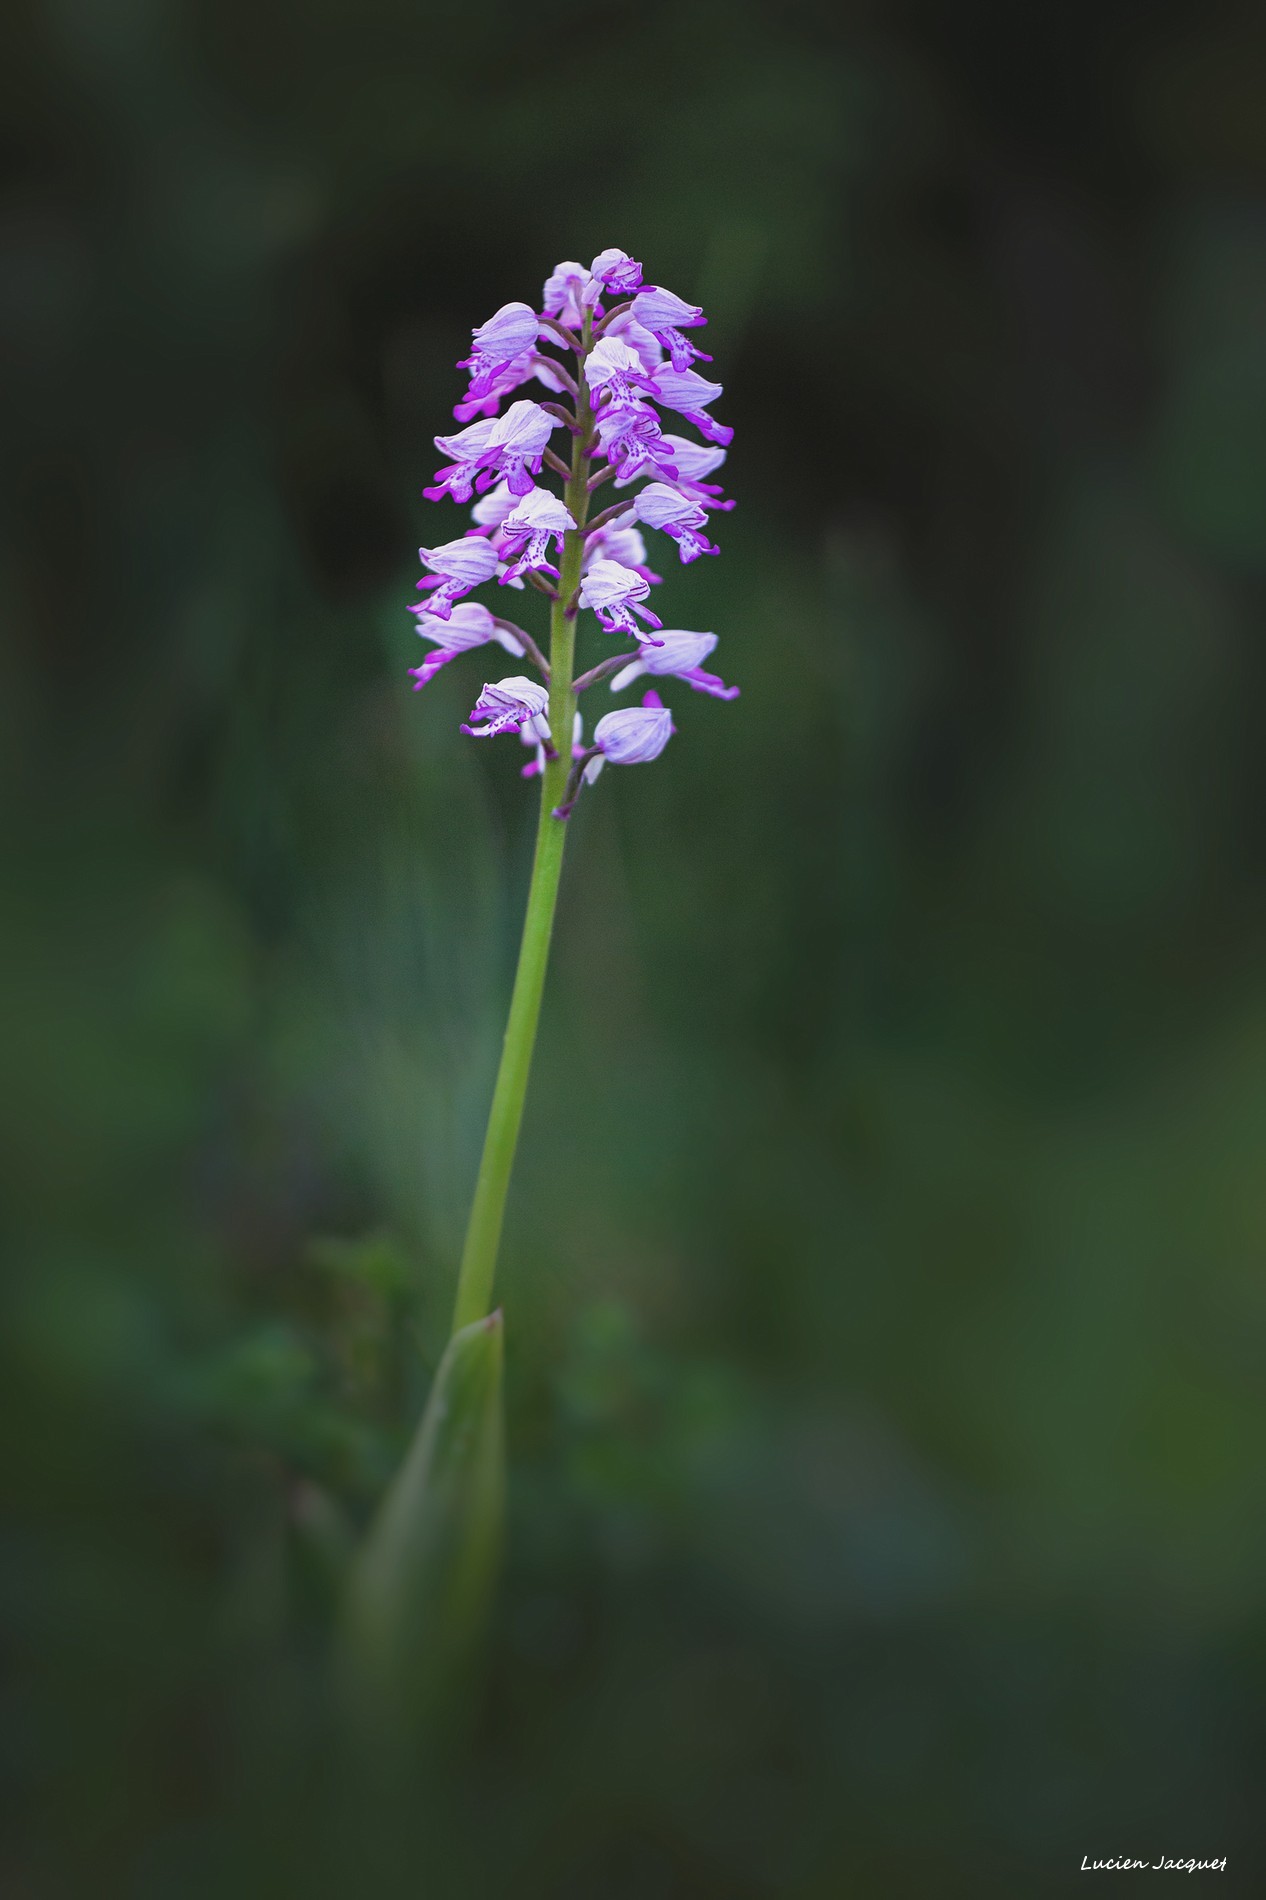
[[466, 450], [507, 706], [615, 593], [517, 445], [633, 441], [637, 371], [509, 445], [508, 334], [691, 462], [689, 394], [632, 736], [666, 316], [469, 625], [457, 566], [677, 515], [677, 657], [615, 271], [529, 526], [564, 294], [694, 460], [509, 377], [615, 373]]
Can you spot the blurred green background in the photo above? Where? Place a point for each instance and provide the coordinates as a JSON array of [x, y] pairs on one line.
[[885, 1313]]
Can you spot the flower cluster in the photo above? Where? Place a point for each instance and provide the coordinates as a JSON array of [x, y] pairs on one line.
[[613, 354]]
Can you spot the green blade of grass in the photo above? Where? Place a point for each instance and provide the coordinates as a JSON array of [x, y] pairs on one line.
[[421, 1585]]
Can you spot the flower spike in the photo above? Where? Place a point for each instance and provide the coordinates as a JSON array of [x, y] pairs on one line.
[[619, 353]]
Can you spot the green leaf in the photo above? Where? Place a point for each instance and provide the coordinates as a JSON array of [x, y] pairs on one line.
[[421, 1586]]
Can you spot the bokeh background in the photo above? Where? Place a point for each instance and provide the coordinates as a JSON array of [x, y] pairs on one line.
[[883, 1279]]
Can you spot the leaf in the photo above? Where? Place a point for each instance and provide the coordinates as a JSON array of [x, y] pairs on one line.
[[421, 1586]]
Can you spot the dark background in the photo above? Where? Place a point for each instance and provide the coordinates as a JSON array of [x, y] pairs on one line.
[[883, 1277]]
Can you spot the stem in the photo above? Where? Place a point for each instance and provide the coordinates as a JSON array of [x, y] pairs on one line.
[[604, 670], [487, 1213]]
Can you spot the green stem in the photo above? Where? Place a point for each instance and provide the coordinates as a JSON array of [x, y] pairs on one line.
[[487, 1213]]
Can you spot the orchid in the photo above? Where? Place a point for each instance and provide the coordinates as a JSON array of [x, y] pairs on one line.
[[691, 461], [633, 736], [616, 353], [536, 519], [504, 380], [508, 705], [615, 593], [469, 625], [611, 370], [458, 566], [466, 450], [666, 316], [517, 445], [513, 329], [662, 507], [689, 393], [564, 294], [615, 271], [633, 442], [677, 657]]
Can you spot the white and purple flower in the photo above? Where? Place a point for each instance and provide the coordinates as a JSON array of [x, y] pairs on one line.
[[632, 736], [689, 394], [613, 271], [457, 567], [676, 657], [632, 440], [676, 515], [615, 373], [692, 461], [517, 445], [469, 625], [563, 297], [510, 705], [512, 331], [615, 594], [526, 532], [666, 316], [466, 449]]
